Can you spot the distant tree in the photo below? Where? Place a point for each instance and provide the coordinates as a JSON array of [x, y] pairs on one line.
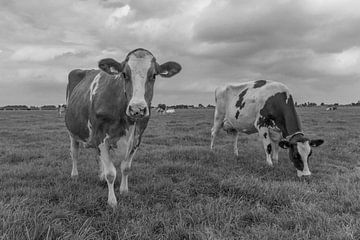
[[210, 106], [34, 108], [15, 107], [322, 104], [181, 106], [336, 104], [48, 107], [200, 106]]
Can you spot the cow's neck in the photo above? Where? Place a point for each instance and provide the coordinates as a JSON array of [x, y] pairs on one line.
[[291, 122]]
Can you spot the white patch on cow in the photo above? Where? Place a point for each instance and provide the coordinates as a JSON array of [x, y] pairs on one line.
[[170, 111], [139, 65], [89, 128], [94, 86], [304, 150]]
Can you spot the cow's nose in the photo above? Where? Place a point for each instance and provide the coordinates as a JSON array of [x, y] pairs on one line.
[[137, 111]]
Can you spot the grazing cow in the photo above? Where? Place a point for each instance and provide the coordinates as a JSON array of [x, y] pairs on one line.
[[265, 107], [170, 110], [109, 109], [161, 108], [333, 108]]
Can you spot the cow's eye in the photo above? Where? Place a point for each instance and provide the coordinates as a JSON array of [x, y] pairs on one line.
[[125, 76]]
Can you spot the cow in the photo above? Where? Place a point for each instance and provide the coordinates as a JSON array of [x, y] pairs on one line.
[[170, 110], [267, 108], [109, 109], [160, 111], [333, 108], [61, 110]]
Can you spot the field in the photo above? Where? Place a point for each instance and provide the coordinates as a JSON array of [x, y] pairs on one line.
[[179, 188]]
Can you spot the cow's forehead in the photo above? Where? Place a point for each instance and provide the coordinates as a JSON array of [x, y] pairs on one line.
[[303, 147], [140, 62]]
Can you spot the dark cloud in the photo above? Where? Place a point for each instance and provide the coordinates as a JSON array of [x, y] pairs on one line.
[[310, 45]]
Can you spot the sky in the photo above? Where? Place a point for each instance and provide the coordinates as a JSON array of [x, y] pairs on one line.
[[312, 46]]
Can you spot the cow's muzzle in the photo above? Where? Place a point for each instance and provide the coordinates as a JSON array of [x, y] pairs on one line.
[[137, 110]]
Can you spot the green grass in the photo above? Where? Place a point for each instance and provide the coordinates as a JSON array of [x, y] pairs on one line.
[[179, 189]]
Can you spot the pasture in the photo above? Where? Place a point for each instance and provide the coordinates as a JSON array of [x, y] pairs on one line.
[[179, 188]]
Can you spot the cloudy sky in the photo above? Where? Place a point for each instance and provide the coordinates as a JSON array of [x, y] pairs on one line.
[[313, 46]]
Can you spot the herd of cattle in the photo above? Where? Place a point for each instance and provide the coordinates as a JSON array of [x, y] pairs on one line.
[[109, 109]]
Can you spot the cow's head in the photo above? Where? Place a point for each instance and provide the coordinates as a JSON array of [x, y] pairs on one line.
[[139, 71], [300, 152]]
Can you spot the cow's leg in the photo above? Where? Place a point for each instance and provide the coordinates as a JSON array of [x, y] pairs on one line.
[[265, 137], [275, 151], [218, 122], [109, 171], [126, 163], [125, 168], [236, 151], [74, 153]]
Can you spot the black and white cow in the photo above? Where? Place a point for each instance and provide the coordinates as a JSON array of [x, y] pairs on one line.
[[109, 109], [265, 107]]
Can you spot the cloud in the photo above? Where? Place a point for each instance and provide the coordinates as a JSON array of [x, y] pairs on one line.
[[309, 45], [115, 17], [40, 53]]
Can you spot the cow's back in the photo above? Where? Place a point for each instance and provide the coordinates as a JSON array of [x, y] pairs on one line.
[[243, 103]]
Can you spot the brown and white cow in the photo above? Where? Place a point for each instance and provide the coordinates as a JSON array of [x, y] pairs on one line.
[[109, 109], [265, 107]]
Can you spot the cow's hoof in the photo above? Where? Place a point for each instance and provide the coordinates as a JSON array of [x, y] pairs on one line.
[[113, 205], [74, 178], [270, 164], [124, 192]]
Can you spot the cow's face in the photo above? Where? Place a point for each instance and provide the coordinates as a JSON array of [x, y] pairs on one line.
[[139, 71], [300, 152]]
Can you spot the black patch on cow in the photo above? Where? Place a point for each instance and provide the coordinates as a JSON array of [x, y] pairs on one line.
[[265, 135], [237, 114], [240, 103], [295, 157], [268, 149], [279, 111], [266, 122], [259, 83], [231, 131]]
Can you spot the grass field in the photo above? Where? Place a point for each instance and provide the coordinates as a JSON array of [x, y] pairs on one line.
[[179, 188]]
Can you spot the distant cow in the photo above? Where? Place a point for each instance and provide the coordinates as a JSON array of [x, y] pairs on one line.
[[110, 109], [333, 108], [61, 110], [265, 107], [170, 110], [160, 111]]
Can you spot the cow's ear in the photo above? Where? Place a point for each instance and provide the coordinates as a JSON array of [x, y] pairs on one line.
[[284, 144], [110, 66], [168, 69], [316, 142]]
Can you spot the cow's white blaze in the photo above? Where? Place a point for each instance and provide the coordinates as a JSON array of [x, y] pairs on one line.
[[304, 150], [94, 86], [139, 64]]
